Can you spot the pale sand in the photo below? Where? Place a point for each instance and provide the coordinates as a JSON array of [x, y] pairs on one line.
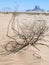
[[23, 57]]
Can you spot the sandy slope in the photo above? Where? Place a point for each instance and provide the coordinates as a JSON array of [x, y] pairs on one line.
[[25, 56]]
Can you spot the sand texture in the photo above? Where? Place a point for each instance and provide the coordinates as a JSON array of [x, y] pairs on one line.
[[28, 55]]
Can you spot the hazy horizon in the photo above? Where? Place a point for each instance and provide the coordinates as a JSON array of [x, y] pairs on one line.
[[23, 5]]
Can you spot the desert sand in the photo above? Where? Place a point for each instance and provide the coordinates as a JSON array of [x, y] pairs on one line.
[[24, 56]]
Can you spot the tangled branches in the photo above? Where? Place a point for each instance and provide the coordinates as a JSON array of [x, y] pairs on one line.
[[28, 34]]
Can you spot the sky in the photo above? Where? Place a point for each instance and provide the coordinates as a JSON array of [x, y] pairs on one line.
[[23, 5]]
